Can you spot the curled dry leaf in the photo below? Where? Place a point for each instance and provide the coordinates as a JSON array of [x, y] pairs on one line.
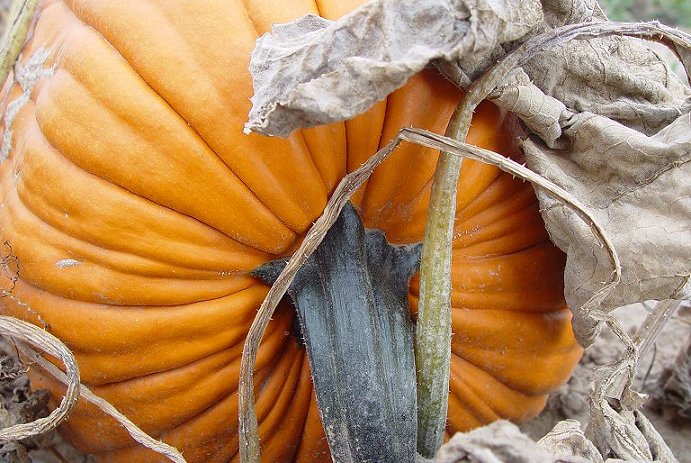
[[314, 71], [498, 442], [567, 439]]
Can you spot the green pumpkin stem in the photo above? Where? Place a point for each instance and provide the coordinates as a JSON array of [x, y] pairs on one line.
[[433, 333]]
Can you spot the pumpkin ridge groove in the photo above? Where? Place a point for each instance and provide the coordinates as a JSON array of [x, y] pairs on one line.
[[275, 340], [458, 254], [465, 395], [302, 136], [172, 267], [485, 368], [525, 201], [143, 79], [151, 200], [319, 9], [203, 275], [499, 380], [364, 198], [510, 192], [55, 153]]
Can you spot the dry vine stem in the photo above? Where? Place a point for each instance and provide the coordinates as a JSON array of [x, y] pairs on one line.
[[643, 340], [24, 333], [14, 38], [135, 432], [27, 332]]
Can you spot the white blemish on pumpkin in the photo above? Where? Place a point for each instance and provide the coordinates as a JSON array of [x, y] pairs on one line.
[[65, 263], [26, 76]]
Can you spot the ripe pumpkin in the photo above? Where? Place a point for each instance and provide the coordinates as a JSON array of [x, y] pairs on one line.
[[137, 209]]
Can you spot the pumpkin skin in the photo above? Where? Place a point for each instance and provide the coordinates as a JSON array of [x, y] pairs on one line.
[[136, 209]]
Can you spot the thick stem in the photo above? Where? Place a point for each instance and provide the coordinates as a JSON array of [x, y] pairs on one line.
[[433, 334], [351, 299]]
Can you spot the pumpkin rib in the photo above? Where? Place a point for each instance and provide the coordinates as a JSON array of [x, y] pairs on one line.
[[463, 394], [503, 187], [273, 402], [511, 242], [535, 385], [234, 186], [533, 402], [146, 318], [520, 249], [496, 216], [119, 438], [313, 447], [274, 446], [264, 372], [523, 281], [368, 184], [129, 262], [271, 423], [533, 266], [320, 12], [492, 215], [35, 162], [159, 97], [516, 405], [139, 356], [470, 331], [399, 178], [150, 413], [366, 127], [467, 239], [271, 347], [488, 353], [300, 133], [331, 172], [294, 197], [329, 162], [41, 259]]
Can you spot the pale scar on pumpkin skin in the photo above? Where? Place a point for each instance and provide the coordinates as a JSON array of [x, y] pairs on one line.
[[65, 263], [26, 76]]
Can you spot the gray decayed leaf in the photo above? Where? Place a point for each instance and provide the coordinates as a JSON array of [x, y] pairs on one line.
[[314, 71]]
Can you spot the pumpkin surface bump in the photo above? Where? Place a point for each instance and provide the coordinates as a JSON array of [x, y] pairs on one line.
[[137, 209]]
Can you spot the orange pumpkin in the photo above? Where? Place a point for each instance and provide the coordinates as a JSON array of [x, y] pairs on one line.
[[137, 208]]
